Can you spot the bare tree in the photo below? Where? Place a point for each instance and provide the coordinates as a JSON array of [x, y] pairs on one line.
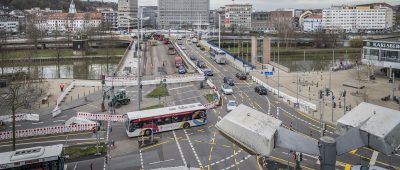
[[34, 35], [284, 27], [21, 93], [58, 49], [3, 50]]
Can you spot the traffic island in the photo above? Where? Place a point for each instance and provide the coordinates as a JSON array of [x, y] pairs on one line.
[[84, 152], [159, 91]]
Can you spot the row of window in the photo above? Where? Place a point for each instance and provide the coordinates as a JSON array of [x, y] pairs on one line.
[[163, 121]]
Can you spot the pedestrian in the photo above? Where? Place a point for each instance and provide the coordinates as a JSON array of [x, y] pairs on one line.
[[62, 87], [91, 166], [273, 69]]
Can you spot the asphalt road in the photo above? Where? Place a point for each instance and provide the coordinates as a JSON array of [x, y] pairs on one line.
[[300, 122]]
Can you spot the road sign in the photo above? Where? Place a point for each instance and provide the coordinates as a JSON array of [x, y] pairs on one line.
[[267, 73]]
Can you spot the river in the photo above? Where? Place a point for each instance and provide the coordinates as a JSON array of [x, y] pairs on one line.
[[91, 69]]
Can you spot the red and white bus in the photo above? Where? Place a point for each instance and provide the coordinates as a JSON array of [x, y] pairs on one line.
[[146, 122]]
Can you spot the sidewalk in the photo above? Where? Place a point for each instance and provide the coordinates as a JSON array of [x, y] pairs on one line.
[[373, 92]]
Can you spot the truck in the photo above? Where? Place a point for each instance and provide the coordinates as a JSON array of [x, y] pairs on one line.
[[119, 98], [178, 61]]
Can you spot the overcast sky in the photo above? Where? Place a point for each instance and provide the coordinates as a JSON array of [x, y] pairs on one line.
[[268, 5]]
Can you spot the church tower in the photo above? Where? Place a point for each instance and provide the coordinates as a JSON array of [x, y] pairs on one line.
[[72, 9]]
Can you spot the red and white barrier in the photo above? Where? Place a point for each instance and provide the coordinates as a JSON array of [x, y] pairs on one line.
[[20, 117], [47, 131], [104, 117]]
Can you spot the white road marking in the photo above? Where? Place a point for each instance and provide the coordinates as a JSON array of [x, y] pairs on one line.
[[15, 126], [37, 123], [373, 158], [76, 164], [237, 163], [59, 121], [225, 159], [180, 87], [141, 158], [194, 151], [180, 149], [160, 161], [53, 141]]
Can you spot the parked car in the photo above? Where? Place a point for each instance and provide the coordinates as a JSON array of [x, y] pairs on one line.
[[193, 57], [229, 80], [181, 70], [198, 45], [261, 90], [231, 105], [241, 76], [183, 47], [208, 72], [226, 89], [201, 64]]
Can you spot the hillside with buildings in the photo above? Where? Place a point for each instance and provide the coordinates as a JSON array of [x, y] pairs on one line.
[[55, 4]]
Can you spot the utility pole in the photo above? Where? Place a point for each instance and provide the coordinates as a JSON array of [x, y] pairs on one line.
[[278, 69], [297, 82], [219, 31], [138, 55]]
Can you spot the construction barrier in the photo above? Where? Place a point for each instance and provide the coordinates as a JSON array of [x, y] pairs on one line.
[[47, 131], [304, 106], [20, 117], [102, 117]]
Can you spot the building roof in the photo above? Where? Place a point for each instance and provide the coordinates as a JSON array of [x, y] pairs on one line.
[[164, 110], [30, 153], [374, 119], [76, 16], [315, 16]]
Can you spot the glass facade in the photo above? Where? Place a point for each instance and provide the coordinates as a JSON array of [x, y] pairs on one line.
[[381, 51]]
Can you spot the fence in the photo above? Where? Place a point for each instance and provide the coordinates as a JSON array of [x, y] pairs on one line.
[[47, 131], [20, 117], [304, 106], [103, 117], [120, 64]]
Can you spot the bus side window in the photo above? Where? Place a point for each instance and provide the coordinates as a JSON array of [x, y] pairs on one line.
[[167, 120], [200, 114], [176, 119], [187, 117], [160, 121]]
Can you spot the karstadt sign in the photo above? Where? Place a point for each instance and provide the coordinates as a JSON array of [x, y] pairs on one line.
[[383, 45]]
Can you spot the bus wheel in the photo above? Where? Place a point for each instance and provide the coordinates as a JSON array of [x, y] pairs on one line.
[[186, 125], [147, 132]]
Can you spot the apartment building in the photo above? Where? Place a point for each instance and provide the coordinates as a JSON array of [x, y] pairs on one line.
[[175, 14], [238, 17], [127, 14], [374, 17]]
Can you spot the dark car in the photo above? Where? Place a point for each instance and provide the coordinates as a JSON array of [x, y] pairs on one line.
[[181, 70], [208, 72], [241, 76], [261, 90], [198, 45], [201, 64], [193, 57], [229, 80]]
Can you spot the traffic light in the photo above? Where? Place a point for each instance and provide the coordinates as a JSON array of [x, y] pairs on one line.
[[321, 94], [327, 91], [344, 93]]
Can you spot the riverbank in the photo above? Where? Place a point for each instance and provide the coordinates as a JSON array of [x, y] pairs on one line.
[[53, 53], [65, 58]]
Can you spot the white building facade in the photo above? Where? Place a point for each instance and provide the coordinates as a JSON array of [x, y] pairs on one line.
[[127, 14], [175, 14], [312, 23], [238, 16], [9, 23], [357, 18]]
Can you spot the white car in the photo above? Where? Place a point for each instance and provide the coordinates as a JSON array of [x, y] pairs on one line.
[[231, 105], [183, 47], [226, 89]]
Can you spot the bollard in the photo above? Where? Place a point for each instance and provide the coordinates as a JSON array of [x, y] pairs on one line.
[[89, 91], [39, 105], [78, 95], [71, 98]]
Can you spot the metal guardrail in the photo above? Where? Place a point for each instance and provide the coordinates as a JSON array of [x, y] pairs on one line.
[[304, 106]]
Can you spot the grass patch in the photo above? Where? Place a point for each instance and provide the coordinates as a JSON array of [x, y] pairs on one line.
[[210, 96], [52, 53], [153, 107], [159, 91], [77, 152]]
